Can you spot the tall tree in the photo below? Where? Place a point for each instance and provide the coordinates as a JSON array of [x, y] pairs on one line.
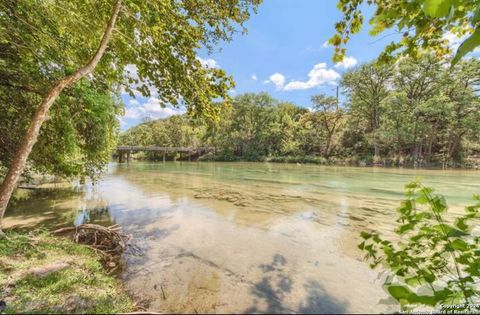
[[331, 115], [461, 87], [418, 80], [366, 88], [157, 40], [31, 135]]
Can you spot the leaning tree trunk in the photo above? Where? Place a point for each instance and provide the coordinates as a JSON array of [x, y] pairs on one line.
[[41, 114]]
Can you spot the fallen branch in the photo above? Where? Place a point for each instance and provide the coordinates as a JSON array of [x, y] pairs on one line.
[[107, 241]]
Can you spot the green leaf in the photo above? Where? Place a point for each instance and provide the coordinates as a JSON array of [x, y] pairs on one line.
[[449, 230], [476, 16], [422, 215], [415, 281], [422, 299], [460, 223], [361, 245], [436, 8], [412, 185], [439, 204], [442, 294], [365, 235], [460, 245], [422, 199], [467, 46], [399, 292], [405, 228], [427, 275]]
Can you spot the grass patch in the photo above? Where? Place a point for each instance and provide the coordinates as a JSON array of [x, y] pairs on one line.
[[82, 287]]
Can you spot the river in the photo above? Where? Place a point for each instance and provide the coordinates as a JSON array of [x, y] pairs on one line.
[[245, 237]]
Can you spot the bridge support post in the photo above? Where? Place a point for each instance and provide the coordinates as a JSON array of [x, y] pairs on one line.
[[125, 152]]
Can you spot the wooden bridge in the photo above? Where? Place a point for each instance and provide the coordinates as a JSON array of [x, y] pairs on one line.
[[125, 151]]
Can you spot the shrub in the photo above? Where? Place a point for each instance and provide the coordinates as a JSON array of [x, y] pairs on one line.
[[434, 263]]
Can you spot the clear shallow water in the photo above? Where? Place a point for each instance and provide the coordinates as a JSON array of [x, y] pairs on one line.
[[246, 237]]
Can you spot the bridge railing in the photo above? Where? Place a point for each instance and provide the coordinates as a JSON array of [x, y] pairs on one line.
[[127, 150], [163, 149]]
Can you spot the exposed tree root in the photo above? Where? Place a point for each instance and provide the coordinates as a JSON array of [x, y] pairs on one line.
[[107, 241]]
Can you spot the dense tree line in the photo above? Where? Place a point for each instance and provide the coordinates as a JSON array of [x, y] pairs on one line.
[[82, 129], [415, 112], [421, 111]]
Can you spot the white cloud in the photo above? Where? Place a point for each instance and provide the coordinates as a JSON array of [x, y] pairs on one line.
[[232, 91], [254, 77], [326, 45], [151, 108], [319, 75], [278, 79], [347, 62], [208, 63], [132, 113], [133, 102]]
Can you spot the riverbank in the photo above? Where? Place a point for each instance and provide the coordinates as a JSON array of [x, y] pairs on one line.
[[472, 162], [41, 273]]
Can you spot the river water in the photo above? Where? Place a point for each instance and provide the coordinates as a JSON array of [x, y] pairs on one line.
[[245, 237]]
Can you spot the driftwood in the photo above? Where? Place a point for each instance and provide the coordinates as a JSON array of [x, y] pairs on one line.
[[107, 241]]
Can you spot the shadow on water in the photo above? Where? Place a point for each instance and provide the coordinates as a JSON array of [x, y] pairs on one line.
[[142, 242], [318, 301], [52, 208], [275, 286], [40, 208]]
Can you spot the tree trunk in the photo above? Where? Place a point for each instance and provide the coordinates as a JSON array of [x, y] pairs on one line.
[[327, 146], [41, 114], [415, 144], [431, 138], [376, 147]]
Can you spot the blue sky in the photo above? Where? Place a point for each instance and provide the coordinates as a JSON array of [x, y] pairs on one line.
[[284, 54]]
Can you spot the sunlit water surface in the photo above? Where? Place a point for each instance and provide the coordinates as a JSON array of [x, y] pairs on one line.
[[245, 237]]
